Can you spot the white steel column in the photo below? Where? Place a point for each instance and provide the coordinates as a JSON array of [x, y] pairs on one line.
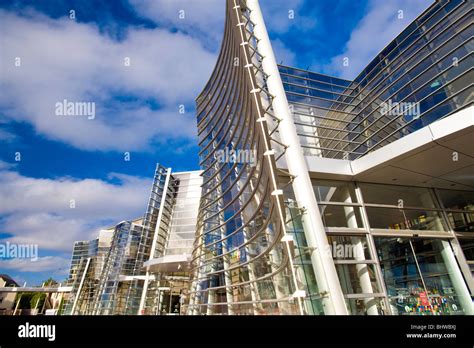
[[362, 268], [153, 244], [454, 271], [80, 286], [325, 271], [17, 303], [456, 277]]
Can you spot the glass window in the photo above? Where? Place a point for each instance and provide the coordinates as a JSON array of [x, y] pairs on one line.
[[357, 278], [453, 199], [461, 222], [348, 247], [398, 195], [319, 77], [341, 216], [417, 277], [363, 306], [467, 246], [398, 219], [334, 191], [434, 269]]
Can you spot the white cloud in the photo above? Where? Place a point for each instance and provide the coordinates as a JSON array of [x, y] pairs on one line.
[[193, 17], [48, 231], [38, 211], [282, 16], [6, 136], [56, 264], [62, 59], [207, 22], [282, 53], [32, 195], [6, 165], [375, 31]]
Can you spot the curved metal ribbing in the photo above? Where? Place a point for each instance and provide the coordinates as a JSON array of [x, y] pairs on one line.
[[239, 263]]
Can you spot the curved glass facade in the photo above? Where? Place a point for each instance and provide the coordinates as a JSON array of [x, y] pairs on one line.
[[239, 264]]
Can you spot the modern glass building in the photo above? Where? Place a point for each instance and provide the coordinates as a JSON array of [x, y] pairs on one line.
[[84, 276], [327, 196], [119, 262], [141, 266], [167, 277]]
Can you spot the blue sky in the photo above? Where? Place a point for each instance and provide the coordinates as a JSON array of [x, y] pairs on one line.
[[137, 106]]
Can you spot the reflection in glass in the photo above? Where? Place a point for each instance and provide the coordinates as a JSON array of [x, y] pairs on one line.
[[467, 246], [459, 200], [360, 306], [357, 278], [340, 216], [398, 219], [461, 222], [407, 196], [334, 191], [420, 277]]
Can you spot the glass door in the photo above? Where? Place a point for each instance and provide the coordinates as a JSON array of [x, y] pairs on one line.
[[419, 276]]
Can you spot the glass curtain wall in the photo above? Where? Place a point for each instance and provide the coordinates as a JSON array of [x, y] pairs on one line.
[[350, 246], [402, 208], [459, 206], [83, 277], [151, 226], [168, 289], [418, 276], [394, 242], [120, 261], [421, 76], [80, 251]]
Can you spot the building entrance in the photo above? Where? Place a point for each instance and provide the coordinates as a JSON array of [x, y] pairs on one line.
[[421, 277], [170, 303]]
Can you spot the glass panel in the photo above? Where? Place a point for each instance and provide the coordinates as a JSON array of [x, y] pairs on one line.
[[398, 219], [441, 290], [348, 247], [334, 191], [461, 222], [362, 306], [397, 195], [411, 292], [467, 246], [314, 306], [302, 259], [357, 278], [457, 199], [340, 216], [402, 279]]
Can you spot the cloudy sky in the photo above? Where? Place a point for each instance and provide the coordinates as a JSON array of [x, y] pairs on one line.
[[142, 63]]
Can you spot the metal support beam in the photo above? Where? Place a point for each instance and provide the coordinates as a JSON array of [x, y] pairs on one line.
[[80, 286]]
